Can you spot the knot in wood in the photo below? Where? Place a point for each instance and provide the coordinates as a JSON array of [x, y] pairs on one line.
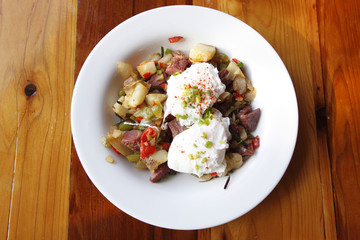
[[30, 90]]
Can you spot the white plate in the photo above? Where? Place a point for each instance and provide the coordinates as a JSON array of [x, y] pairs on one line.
[[181, 201]]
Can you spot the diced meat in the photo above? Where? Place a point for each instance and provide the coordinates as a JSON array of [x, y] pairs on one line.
[[223, 106], [243, 111], [132, 139], [234, 129], [224, 76], [169, 118], [179, 62], [157, 79], [178, 54], [175, 127], [246, 148], [250, 120], [160, 172]]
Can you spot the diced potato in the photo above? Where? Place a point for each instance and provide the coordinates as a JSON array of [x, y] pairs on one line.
[[125, 69], [239, 84], [249, 84], [155, 97], [234, 70], [136, 95], [165, 59], [160, 156], [146, 69], [116, 143], [201, 53], [234, 160], [243, 134], [116, 133], [154, 161], [120, 110], [224, 95], [154, 57], [249, 96], [109, 159], [140, 165], [206, 177]]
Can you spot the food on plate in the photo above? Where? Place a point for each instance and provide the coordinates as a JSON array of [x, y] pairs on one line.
[[189, 114]]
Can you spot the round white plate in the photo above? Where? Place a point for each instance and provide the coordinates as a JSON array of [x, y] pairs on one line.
[[182, 201]]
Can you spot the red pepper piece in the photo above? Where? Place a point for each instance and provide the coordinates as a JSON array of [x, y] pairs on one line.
[[175, 39], [256, 142], [146, 149], [163, 86], [147, 75], [139, 119], [235, 60], [213, 174], [115, 150]]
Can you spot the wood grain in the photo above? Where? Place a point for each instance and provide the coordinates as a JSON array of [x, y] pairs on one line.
[[339, 38], [92, 216], [294, 209], [37, 43]]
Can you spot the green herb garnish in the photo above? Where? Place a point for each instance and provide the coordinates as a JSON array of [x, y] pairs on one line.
[[208, 144]]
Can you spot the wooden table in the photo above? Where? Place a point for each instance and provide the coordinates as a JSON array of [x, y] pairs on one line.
[[44, 191]]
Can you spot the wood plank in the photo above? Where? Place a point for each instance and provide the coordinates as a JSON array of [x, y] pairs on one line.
[[294, 209], [38, 38], [92, 216], [339, 38]]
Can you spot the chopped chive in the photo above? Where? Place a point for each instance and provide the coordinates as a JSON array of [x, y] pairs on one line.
[[177, 73], [195, 91], [183, 104], [195, 145], [196, 167], [162, 51], [198, 99], [159, 72], [201, 122], [185, 116], [121, 93], [191, 99], [208, 92], [208, 144], [191, 157], [207, 121], [191, 106], [204, 160], [196, 156], [200, 152], [168, 51], [240, 64], [204, 135], [222, 142]]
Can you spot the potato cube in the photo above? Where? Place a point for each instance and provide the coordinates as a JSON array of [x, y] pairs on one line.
[[146, 69], [137, 96], [234, 70], [201, 53], [125, 69], [152, 98], [120, 110]]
